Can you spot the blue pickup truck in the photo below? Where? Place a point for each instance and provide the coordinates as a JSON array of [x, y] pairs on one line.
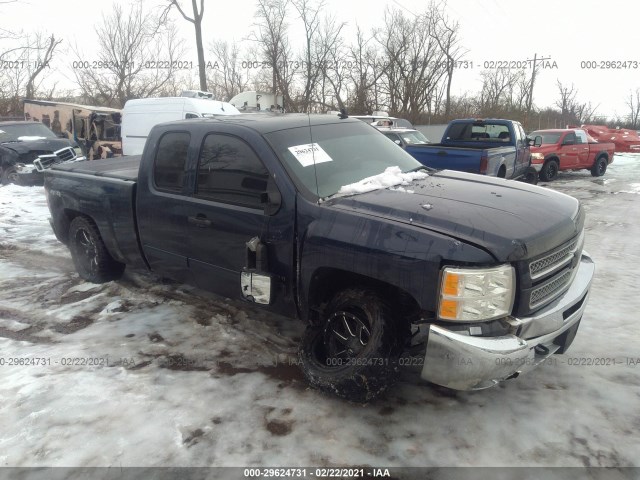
[[494, 147], [389, 263]]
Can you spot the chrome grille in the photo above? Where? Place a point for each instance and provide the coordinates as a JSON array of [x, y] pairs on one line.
[[65, 154], [552, 261], [550, 289]]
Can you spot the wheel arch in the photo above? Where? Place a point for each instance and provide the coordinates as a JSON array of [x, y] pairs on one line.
[[328, 281]]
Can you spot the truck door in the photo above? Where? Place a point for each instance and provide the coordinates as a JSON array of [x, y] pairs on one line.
[[224, 212], [569, 151], [582, 143], [160, 210], [522, 150]]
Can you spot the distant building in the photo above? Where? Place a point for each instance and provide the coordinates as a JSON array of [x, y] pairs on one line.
[[253, 101]]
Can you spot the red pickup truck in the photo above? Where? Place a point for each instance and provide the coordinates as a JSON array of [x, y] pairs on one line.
[[569, 149]]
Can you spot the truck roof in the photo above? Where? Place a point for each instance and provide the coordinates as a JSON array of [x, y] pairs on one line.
[[268, 122], [558, 130]]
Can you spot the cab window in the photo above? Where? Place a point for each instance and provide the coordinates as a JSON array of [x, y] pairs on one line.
[[170, 161], [230, 171]]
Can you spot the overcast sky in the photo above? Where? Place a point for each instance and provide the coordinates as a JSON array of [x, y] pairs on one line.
[[568, 32]]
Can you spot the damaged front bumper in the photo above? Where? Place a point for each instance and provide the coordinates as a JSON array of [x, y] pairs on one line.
[[31, 174], [464, 362]]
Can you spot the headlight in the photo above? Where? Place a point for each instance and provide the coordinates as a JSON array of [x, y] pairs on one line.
[[78, 151], [537, 156], [476, 294]]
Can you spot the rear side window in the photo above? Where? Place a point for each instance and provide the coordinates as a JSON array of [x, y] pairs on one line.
[[171, 158], [229, 171]]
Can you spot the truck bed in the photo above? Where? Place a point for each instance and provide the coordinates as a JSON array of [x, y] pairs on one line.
[[459, 156], [104, 190], [122, 168]]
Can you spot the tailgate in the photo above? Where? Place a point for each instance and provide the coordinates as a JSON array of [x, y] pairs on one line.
[[451, 158]]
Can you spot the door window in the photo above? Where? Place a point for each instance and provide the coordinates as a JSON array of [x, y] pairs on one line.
[[581, 137], [570, 139], [229, 171], [170, 161]]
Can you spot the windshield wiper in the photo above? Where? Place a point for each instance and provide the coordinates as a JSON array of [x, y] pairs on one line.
[[422, 167]]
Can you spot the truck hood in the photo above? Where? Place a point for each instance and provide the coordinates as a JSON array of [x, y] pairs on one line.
[[47, 145], [509, 219]]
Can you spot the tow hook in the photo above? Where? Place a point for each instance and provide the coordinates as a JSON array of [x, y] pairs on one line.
[[541, 350]]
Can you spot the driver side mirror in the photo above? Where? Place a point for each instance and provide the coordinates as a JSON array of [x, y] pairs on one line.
[[569, 141], [535, 142], [271, 199]]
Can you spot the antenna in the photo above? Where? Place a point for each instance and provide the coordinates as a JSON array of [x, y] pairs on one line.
[[315, 171]]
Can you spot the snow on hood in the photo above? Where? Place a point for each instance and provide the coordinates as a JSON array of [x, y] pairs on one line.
[[30, 138], [391, 177]]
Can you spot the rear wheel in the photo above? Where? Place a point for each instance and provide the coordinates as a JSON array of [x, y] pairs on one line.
[[354, 353], [9, 175], [599, 167], [90, 256], [549, 171]]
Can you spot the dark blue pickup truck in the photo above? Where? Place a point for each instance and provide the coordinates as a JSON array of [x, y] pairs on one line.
[[494, 147], [472, 281]]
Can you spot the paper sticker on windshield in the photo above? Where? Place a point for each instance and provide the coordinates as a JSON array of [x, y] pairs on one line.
[[2, 131], [309, 154]]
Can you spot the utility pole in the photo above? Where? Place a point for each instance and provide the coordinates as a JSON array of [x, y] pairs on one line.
[[533, 80]]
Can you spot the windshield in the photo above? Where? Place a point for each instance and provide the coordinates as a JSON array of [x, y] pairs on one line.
[[343, 153], [10, 133], [547, 138], [414, 138]]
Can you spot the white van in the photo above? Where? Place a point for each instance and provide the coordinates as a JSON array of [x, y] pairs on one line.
[[139, 116]]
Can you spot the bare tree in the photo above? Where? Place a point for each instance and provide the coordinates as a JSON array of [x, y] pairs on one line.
[[446, 33], [270, 34], [363, 67], [27, 57], [322, 37], [196, 20], [43, 57], [227, 79], [567, 99], [135, 58], [414, 61], [634, 106], [499, 88]]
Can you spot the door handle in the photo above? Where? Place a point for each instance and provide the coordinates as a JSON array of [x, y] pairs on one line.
[[199, 221]]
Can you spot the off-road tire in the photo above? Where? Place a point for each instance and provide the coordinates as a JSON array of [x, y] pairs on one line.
[[549, 171], [365, 370], [90, 256], [599, 167]]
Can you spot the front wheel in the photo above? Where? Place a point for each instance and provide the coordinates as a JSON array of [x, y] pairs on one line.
[[354, 353], [599, 167], [530, 176], [549, 171], [90, 256]]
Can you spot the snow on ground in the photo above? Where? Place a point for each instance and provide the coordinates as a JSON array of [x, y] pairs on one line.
[[143, 373]]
